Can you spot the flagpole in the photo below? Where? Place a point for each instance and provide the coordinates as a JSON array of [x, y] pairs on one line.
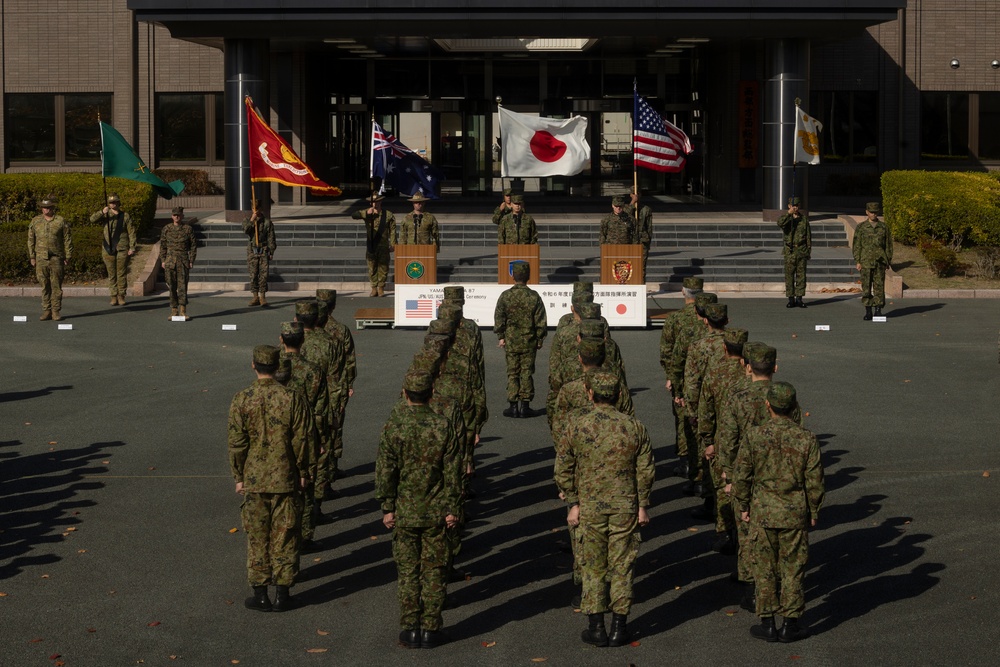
[[503, 179], [104, 181], [798, 102], [635, 170]]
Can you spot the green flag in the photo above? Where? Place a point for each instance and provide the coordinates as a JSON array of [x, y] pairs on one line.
[[119, 160]]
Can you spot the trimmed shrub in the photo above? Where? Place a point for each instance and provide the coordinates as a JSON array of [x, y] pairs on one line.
[[196, 181], [953, 208], [942, 260]]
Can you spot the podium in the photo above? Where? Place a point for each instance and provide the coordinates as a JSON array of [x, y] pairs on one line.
[[621, 264], [509, 252], [415, 264]]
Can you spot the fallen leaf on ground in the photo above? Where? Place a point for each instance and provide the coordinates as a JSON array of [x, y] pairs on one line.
[[986, 474], [635, 644], [58, 663], [45, 576], [81, 551], [3, 595], [795, 335], [234, 530], [91, 629], [322, 633], [27, 423], [35, 641], [317, 650], [152, 467], [70, 529], [53, 442], [489, 644], [677, 588], [972, 597], [105, 462], [539, 659], [153, 624], [374, 537], [172, 657], [234, 662], [317, 559], [693, 529], [731, 612], [807, 414], [54, 656]]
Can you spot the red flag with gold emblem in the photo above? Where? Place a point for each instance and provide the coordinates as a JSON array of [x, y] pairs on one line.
[[272, 159]]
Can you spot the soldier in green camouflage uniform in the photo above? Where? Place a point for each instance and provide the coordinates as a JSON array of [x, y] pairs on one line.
[[520, 324], [503, 209], [644, 226], [778, 487], [178, 249], [118, 246], [307, 378], [517, 226], [50, 247], [605, 472], [269, 455], [563, 349], [617, 226], [260, 250], [672, 325], [872, 248], [419, 228], [380, 228], [418, 483], [796, 249], [341, 336]]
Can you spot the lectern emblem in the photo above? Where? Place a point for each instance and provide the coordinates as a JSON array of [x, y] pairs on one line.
[[622, 271], [414, 270]]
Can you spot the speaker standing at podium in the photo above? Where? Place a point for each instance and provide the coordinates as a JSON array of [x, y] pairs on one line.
[[517, 226], [419, 228], [617, 227]]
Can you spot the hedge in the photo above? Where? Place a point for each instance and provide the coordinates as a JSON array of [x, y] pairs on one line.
[[78, 197], [953, 208]]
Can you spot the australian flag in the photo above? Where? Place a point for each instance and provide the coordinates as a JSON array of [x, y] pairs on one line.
[[399, 167]]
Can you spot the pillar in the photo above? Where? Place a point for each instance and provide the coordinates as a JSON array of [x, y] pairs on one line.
[[246, 63], [786, 78]]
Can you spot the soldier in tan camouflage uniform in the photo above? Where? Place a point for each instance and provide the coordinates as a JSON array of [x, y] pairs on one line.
[[178, 249], [118, 246], [605, 472], [519, 322], [418, 227], [50, 247], [672, 325], [418, 483], [380, 228], [778, 487], [260, 250], [269, 455]]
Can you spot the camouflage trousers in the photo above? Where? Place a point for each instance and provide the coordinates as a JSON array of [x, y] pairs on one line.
[[610, 545], [421, 556], [50, 276], [781, 555], [257, 266], [378, 266], [520, 366], [271, 522], [745, 556], [117, 267], [795, 274], [724, 521], [645, 259], [873, 285], [680, 426], [175, 274], [307, 522], [323, 476]]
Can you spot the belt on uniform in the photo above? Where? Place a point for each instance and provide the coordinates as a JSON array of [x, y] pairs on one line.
[[258, 251]]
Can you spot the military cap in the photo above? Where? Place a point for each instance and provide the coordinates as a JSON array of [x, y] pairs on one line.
[[602, 383], [589, 310], [583, 288], [592, 329], [265, 355], [618, 200], [427, 359], [291, 328], [419, 197], [375, 198], [704, 299], [454, 293], [177, 210], [48, 202], [748, 348], [874, 207], [450, 311], [284, 372], [418, 381], [759, 353], [507, 192], [781, 395], [327, 295], [441, 327], [716, 311], [795, 201], [517, 199], [694, 283], [590, 347], [735, 336], [306, 307], [437, 343], [580, 299], [114, 199], [322, 311], [521, 271]]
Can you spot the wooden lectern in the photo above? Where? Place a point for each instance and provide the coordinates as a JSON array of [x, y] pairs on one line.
[[627, 257], [415, 264], [509, 252]]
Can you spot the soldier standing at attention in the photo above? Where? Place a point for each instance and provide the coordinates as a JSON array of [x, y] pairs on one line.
[[797, 249], [517, 226], [617, 226], [672, 324], [872, 249], [605, 472], [419, 228], [779, 491], [380, 227], [520, 324], [50, 246], [340, 334], [418, 481], [269, 455], [118, 246], [177, 253], [645, 228], [260, 249]]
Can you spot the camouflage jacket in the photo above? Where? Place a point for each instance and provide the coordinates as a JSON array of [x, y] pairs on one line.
[[513, 232], [779, 475], [723, 378], [469, 333], [320, 349], [340, 334], [689, 329], [380, 229], [605, 463], [49, 237], [119, 230], [269, 438], [519, 319], [746, 408], [460, 363], [424, 232], [668, 336], [618, 229], [177, 245], [645, 223], [309, 379], [262, 237], [796, 235], [574, 400], [418, 468], [872, 244], [700, 353]]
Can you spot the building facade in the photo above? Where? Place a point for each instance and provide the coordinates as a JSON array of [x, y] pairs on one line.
[[897, 84]]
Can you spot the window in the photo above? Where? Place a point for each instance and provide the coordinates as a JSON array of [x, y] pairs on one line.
[[850, 124], [989, 126], [59, 129], [960, 126], [190, 128]]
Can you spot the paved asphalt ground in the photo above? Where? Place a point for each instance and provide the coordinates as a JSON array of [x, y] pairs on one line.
[[117, 502]]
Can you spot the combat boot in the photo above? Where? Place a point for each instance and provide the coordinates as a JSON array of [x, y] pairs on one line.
[[724, 544], [263, 301], [765, 630], [183, 313], [173, 313], [409, 638], [791, 631], [283, 600], [255, 301], [706, 512], [791, 302], [374, 292], [432, 638], [596, 634], [512, 411], [121, 299], [381, 290], [799, 302], [55, 315], [749, 601], [868, 313], [526, 410], [878, 312], [114, 300], [46, 315], [259, 600], [619, 630]]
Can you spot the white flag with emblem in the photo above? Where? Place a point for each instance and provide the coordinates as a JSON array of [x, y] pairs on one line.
[[807, 131]]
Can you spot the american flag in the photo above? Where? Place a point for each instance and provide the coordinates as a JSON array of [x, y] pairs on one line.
[[657, 143], [399, 167], [420, 308]]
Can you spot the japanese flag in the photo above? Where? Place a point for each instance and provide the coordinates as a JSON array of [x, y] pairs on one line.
[[536, 146]]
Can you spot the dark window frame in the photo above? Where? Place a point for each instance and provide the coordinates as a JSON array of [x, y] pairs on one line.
[[214, 135], [60, 157]]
